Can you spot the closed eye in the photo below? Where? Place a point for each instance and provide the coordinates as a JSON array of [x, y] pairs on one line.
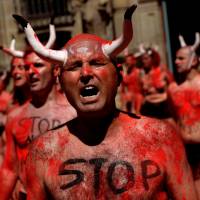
[[38, 65], [97, 63], [73, 66]]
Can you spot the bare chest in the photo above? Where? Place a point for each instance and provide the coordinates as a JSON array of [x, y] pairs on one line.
[[112, 170], [33, 122], [186, 102]]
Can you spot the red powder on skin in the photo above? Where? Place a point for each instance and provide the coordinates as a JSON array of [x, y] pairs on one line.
[[52, 169], [35, 70], [22, 130], [126, 196], [87, 37], [62, 140], [189, 101], [161, 156], [132, 81], [156, 77], [161, 196]]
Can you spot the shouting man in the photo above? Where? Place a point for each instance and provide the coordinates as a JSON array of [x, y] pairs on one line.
[[103, 153]]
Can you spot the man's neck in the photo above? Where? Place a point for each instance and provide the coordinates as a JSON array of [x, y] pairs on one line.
[[192, 74], [92, 131], [41, 97]]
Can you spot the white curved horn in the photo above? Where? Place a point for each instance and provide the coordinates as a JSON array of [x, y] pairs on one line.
[[52, 36], [12, 51], [54, 56], [182, 41], [197, 41], [122, 42]]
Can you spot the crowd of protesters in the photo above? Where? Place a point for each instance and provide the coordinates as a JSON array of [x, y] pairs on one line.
[[64, 136]]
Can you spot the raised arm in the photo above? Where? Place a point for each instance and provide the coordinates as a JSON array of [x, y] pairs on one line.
[[9, 168]]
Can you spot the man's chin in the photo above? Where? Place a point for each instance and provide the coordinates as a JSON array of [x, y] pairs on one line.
[[90, 110]]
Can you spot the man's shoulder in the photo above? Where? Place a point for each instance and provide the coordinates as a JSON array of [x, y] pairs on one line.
[[49, 142], [18, 111], [172, 86], [156, 129], [147, 125]]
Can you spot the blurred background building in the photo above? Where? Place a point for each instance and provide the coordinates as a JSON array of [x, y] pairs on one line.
[[154, 22]]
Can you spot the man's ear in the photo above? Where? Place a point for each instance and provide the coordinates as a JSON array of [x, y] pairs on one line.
[[56, 70], [195, 61]]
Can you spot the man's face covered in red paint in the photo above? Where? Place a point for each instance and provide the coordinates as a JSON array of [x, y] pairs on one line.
[[18, 72], [89, 78], [39, 71]]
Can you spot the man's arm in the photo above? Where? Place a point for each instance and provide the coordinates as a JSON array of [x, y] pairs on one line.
[[9, 168], [179, 176]]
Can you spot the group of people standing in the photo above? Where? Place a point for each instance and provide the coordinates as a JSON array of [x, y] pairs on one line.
[[66, 139], [150, 89]]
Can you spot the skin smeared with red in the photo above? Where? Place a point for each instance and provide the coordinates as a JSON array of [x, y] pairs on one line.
[[135, 151], [104, 153], [47, 109], [155, 78], [185, 100], [132, 83]]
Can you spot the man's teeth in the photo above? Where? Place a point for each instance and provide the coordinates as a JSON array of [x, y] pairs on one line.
[[18, 76], [89, 91]]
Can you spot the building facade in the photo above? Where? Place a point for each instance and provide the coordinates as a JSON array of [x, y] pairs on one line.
[[101, 17]]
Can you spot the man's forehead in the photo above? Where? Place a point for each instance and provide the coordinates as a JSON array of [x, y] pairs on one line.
[[85, 47], [32, 57], [17, 61]]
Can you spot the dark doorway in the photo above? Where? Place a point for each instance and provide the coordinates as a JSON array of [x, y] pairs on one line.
[[183, 18], [61, 38]]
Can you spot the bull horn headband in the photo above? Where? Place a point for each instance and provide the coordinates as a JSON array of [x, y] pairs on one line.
[[194, 46], [109, 48], [20, 54]]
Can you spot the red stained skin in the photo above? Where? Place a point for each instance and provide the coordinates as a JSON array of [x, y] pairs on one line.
[[134, 89], [47, 109], [185, 100], [108, 154], [141, 145], [5, 101]]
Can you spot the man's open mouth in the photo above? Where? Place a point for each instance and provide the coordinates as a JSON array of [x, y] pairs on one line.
[[17, 77], [89, 91]]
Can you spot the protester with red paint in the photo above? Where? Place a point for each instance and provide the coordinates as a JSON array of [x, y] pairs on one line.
[[155, 80], [47, 109], [131, 87], [184, 99], [103, 153], [5, 101]]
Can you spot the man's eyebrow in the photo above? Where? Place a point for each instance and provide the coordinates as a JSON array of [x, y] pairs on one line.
[[73, 60]]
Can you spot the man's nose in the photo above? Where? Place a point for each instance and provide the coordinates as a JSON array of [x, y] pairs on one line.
[[86, 73], [32, 69]]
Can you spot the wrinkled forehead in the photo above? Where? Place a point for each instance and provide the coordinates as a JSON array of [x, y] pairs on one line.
[[32, 58], [85, 48]]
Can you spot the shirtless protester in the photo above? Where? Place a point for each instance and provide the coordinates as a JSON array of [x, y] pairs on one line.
[[5, 101], [103, 153], [21, 91], [155, 80], [185, 102], [131, 87], [47, 109]]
